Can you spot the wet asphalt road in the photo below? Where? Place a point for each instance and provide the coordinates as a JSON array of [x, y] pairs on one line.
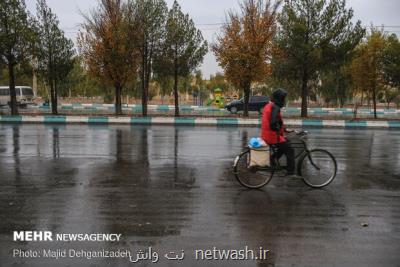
[[172, 189]]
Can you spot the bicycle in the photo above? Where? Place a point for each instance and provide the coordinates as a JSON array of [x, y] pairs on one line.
[[316, 167]]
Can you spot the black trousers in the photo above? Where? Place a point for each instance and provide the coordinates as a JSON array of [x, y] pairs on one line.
[[287, 150]]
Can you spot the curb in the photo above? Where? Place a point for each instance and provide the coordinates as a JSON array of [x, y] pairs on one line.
[[231, 122]]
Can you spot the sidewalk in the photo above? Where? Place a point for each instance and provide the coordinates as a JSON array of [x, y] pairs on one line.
[[188, 108]]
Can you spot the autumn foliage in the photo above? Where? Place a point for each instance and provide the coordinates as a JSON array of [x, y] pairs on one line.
[[244, 48], [108, 47], [370, 66]]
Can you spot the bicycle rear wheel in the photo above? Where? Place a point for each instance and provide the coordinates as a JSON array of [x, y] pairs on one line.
[[252, 177], [318, 168]]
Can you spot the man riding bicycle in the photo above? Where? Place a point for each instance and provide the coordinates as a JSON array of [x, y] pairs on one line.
[[273, 129]]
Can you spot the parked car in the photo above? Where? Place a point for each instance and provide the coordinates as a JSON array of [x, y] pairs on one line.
[[24, 94], [256, 103]]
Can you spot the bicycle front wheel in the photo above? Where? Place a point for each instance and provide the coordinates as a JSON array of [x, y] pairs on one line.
[[250, 177], [318, 168]]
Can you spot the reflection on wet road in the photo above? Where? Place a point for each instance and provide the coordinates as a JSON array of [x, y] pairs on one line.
[[172, 189]]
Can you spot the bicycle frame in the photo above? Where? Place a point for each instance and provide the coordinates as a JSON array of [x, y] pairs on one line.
[[302, 145]]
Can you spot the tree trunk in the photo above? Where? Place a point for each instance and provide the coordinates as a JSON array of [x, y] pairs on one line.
[[118, 106], [144, 87], [304, 93], [54, 98], [176, 85], [176, 92], [341, 95], [13, 93], [246, 90], [34, 83], [355, 111], [341, 102], [148, 73], [362, 98], [374, 101]]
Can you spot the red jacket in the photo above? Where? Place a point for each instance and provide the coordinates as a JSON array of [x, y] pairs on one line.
[[271, 124]]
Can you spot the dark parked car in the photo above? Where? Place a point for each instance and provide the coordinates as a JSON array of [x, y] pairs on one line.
[[256, 103]]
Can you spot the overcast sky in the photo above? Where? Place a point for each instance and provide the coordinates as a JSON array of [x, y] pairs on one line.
[[205, 12]]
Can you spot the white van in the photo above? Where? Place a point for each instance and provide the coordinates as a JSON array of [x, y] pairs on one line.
[[24, 94]]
